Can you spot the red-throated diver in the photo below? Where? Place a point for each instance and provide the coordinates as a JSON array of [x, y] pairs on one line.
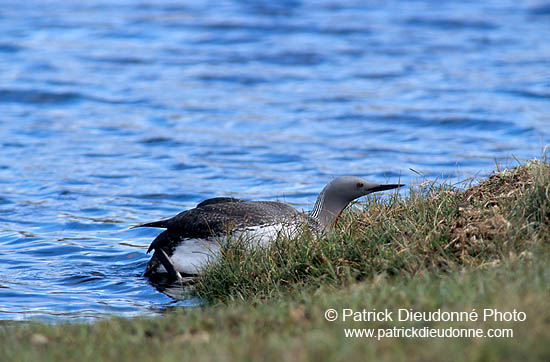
[[192, 237]]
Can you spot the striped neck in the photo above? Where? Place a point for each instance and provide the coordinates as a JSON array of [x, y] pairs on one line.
[[316, 212], [327, 208]]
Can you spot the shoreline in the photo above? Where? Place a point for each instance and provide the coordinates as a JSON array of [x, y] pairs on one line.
[[485, 248]]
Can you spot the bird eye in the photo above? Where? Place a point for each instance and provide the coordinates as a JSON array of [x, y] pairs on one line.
[[359, 184]]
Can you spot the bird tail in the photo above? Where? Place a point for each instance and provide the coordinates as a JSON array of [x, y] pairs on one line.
[[154, 224]]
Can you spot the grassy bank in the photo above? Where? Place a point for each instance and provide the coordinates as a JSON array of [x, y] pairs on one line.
[[436, 230], [437, 248]]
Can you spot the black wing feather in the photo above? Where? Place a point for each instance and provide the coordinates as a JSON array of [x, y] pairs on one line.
[[217, 216], [218, 200]]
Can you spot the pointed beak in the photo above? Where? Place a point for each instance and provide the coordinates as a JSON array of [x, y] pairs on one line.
[[385, 187]]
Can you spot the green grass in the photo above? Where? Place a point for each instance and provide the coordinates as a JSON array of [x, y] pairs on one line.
[[487, 247]]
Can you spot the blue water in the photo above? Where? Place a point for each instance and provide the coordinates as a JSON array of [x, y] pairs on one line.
[[114, 113]]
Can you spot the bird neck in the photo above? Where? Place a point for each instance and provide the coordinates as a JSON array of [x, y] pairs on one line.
[[327, 209]]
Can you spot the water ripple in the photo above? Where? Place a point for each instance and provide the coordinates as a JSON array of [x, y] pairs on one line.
[[37, 97]]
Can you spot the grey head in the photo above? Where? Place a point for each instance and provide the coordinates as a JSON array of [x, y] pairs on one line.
[[339, 193]]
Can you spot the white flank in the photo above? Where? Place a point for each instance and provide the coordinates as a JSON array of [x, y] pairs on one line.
[[263, 235], [191, 255]]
